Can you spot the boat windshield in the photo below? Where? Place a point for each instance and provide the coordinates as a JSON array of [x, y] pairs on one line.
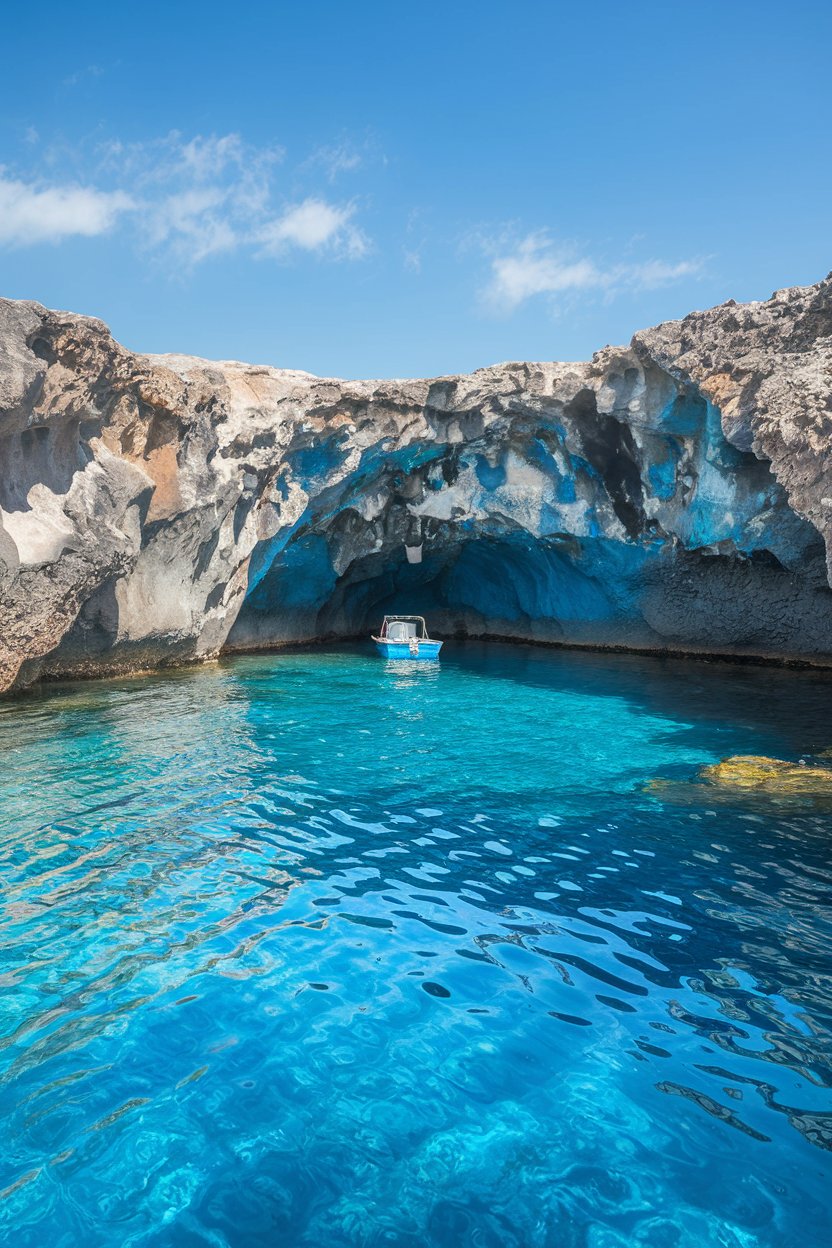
[[403, 629]]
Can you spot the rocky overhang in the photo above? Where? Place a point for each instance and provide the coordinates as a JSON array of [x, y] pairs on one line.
[[673, 496]]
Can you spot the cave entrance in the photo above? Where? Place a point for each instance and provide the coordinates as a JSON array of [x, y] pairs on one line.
[[465, 585]]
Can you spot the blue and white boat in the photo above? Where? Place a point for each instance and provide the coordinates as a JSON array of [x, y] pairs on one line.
[[406, 637]]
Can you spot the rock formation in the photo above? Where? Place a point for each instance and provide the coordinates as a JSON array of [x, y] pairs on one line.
[[788, 784], [675, 495]]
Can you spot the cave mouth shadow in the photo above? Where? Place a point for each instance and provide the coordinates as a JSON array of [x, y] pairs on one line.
[[515, 587], [592, 591], [653, 600]]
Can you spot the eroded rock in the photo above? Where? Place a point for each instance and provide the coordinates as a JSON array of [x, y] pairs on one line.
[[672, 496]]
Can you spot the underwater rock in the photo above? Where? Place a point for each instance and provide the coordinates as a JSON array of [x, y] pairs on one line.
[[770, 775], [673, 496], [746, 776]]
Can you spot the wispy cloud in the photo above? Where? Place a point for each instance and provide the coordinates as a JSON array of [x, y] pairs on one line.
[[315, 225], [172, 160], [655, 273], [416, 238], [194, 223], [199, 196], [88, 72], [32, 213], [346, 156], [335, 160], [538, 265], [189, 199]]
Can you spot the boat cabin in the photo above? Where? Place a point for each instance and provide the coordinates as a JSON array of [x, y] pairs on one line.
[[403, 627]]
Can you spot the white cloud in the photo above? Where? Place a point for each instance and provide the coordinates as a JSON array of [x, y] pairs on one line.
[[207, 158], [199, 197], [211, 194], [224, 159], [189, 198], [194, 223], [315, 225], [536, 265], [34, 214], [658, 273]]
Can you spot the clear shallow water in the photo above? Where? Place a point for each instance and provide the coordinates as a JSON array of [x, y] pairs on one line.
[[305, 949]]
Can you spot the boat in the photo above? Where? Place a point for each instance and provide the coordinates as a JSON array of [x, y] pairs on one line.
[[406, 637]]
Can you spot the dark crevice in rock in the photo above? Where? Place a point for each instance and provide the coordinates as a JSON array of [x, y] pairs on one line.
[[609, 448], [43, 349]]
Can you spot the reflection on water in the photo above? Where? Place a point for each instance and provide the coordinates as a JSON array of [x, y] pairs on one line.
[[318, 949]]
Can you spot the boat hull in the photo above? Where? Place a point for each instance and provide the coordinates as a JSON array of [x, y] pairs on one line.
[[402, 650]]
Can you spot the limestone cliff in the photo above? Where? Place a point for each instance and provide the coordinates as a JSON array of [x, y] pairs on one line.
[[674, 495]]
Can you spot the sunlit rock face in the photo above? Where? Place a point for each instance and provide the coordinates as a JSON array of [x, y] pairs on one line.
[[675, 495]]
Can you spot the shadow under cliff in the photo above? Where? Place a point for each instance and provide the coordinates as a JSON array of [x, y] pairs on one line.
[[556, 591]]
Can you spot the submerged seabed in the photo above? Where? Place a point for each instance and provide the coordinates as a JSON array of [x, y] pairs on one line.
[[314, 949]]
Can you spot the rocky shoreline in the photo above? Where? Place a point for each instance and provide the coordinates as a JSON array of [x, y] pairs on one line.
[[674, 496]]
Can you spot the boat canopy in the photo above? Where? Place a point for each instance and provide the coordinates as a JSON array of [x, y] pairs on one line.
[[403, 627]]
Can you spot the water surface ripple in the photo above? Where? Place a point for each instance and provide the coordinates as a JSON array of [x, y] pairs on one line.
[[313, 949]]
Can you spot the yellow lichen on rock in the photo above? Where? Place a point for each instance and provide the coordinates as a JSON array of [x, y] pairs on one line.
[[745, 777], [769, 775]]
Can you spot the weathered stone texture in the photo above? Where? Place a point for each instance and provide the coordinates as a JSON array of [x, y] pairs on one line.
[[674, 495]]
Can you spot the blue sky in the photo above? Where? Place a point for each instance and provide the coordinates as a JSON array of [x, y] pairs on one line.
[[390, 189]]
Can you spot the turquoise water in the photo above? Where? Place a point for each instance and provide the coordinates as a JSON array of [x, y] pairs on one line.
[[314, 949]]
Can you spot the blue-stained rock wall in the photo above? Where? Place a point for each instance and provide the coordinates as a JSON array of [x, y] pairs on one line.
[[673, 495], [566, 524]]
